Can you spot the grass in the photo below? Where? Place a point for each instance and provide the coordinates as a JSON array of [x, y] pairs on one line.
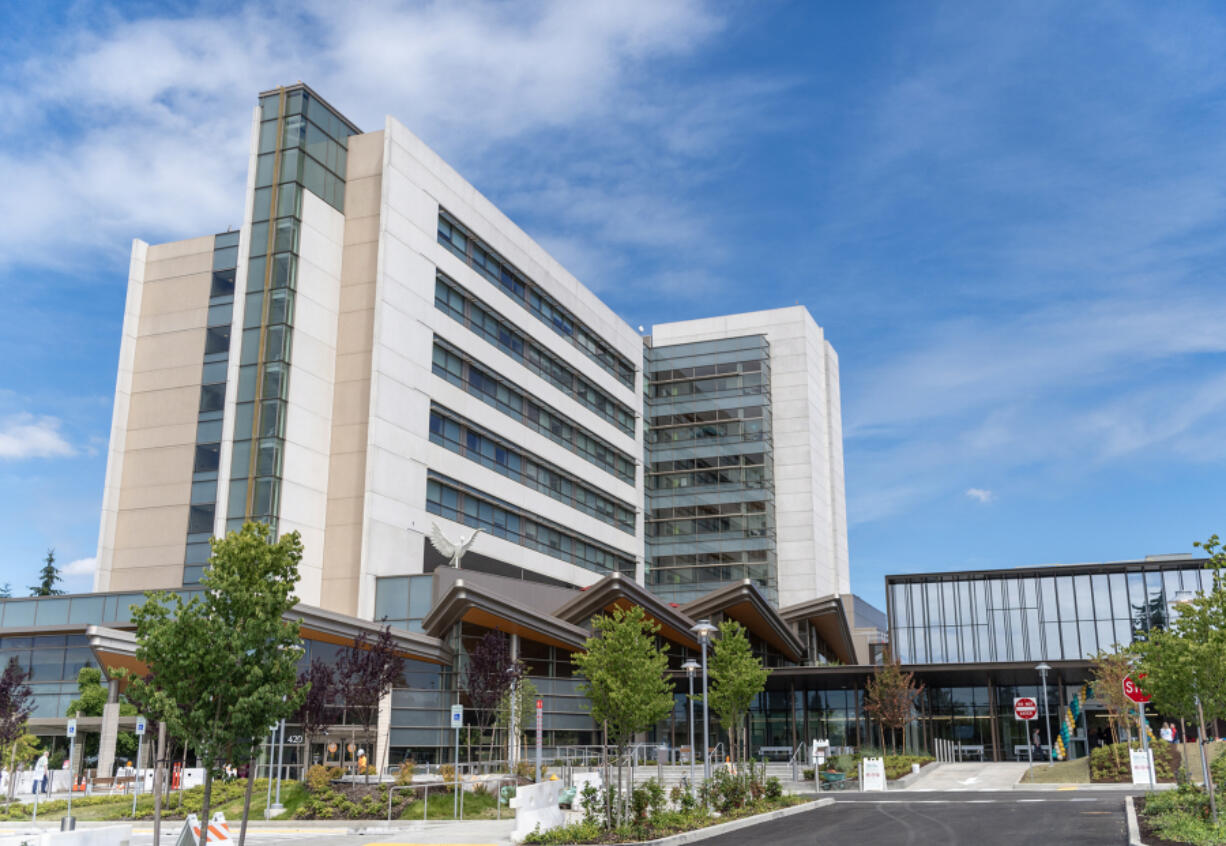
[[227, 798], [1061, 772]]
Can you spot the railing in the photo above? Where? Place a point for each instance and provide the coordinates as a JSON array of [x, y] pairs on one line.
[[795, 761], [716, 752], [458, 784]]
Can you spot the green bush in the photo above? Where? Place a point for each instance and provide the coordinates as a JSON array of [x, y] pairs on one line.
[[318, 779], [1111, 763], [1217, 770], [774, 788], [1182, 816], [897, 766]]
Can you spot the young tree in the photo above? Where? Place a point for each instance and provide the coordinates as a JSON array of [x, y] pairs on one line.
[[47, 576], [223, 665], [1107, 672], [318, 684], [889, 697], [489, 675], [737, 676], [625, 679], [6, 590], [523, 695], [16, 703], [366, 672]]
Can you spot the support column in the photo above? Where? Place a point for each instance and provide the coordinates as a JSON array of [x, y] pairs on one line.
[[106, 745], [994, 725], [383, 735]]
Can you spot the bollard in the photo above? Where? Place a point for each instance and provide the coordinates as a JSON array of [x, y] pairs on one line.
[[68, 824]]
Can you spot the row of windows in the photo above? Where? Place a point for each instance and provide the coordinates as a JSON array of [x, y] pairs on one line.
[[659, 577], [737, 430], [704, 370], [457, 502], [745, 526], [711, 559], [740, 477], [714, 510], [478, 444], [714, 415], [297, 166], [746, 459], [494, 267], [745, 383], [451, 299], [508, 398]]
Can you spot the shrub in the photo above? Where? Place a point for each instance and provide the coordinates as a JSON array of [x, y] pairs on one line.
[[1217, 770], [774, 788], [808, 773], [318, 779], [1111, 763]]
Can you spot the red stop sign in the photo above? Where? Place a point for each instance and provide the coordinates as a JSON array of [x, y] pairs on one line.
[[1025, 708], [1133, 690]]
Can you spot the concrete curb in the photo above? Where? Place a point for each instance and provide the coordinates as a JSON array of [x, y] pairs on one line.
[[1134, 830], [1135, 788], [733, 825]]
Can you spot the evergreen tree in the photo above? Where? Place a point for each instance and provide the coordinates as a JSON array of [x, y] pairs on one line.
[[48, 576]]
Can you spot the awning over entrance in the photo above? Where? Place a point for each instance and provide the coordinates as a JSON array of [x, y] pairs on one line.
[[742, 602], [828, 616]]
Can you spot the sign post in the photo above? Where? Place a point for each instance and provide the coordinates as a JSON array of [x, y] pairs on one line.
[[540, 710], [140, 747], [1132, 689], [1026, 709], [72, 748], [457, 723]]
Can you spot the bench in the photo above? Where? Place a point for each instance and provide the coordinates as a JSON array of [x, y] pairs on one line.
[[768, 751], [110, 785], [967, 749]]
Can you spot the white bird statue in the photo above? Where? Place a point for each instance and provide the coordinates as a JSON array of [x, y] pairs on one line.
[[451, 549]]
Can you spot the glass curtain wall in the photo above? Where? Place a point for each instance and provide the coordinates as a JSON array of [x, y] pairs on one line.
[[1059, 614], [302, 147], [710, 506]]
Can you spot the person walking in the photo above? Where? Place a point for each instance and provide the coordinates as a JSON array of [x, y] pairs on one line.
[[40, 773], [1165, 733], [1037, 742]]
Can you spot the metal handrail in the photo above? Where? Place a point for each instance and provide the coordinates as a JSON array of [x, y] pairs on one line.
[[717, 751], [458, 784], [794, 761]]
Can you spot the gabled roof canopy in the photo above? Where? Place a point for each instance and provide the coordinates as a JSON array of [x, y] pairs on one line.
[[615, 591], [828, 616], [742, 602], [464, 602]]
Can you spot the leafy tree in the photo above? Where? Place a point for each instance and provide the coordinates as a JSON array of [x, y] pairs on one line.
[[366, 671], [6, 590], [1107, 672], [1188, 659], [737, 676], [524, 695], [92, 699], [489, 676], [318, 683], [625, 681], [47, 576], [16, 703], [223, 665], [889, 698]]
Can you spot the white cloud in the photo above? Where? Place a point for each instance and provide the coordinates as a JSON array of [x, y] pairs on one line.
[[980, 495], [563, 90], [80, 567], [27, 436]]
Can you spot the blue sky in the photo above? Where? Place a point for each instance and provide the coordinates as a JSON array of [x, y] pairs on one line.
[[1009, 219]]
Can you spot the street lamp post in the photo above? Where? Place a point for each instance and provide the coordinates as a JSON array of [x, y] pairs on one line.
[[704, 629], [690, 667], [1043, 668], [1185, 597]]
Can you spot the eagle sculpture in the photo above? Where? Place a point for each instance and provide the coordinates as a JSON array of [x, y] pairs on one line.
[[451, 549]]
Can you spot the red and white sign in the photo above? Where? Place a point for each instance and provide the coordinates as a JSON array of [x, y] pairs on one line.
[[1025, 708], [1133, 690]]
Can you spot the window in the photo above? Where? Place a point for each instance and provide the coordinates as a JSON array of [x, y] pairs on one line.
[[217, 340], [207, 458]]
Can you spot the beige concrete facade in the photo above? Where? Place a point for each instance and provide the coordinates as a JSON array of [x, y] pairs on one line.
[[153, 428], [347, 469]]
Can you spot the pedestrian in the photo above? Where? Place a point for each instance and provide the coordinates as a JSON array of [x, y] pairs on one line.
[[40, 774], [1036, 742], [1165, 733]]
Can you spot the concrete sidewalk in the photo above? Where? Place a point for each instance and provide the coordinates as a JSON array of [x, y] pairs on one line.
[[969, 776]]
